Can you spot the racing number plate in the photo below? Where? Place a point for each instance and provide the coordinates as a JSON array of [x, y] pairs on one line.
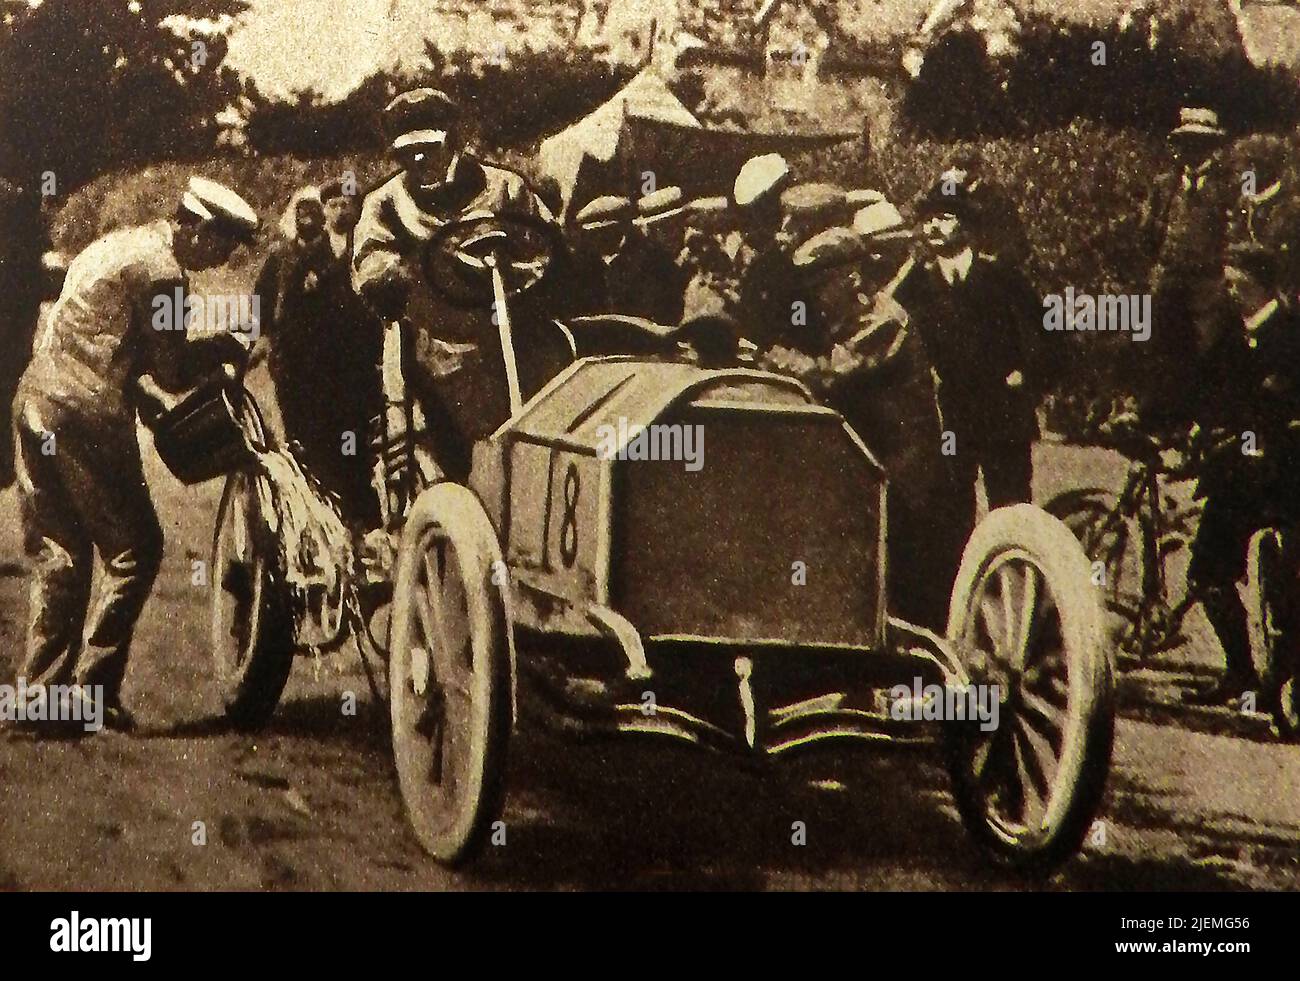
[[574, 532], [556, 527]]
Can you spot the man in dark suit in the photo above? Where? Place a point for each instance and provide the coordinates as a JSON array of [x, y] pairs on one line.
[[1250, 387], [1183, 228], [979, 319]]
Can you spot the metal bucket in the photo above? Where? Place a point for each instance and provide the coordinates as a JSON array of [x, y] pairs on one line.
[[209, 433]]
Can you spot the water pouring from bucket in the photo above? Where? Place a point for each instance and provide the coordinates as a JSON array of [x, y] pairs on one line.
[[216, 429]]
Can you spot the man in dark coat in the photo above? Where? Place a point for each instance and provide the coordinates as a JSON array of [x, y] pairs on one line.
[[1183, 228], [324, 346], [1250, 385], [979, 319]]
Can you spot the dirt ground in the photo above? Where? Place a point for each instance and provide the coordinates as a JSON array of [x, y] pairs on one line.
[[1202, 801]]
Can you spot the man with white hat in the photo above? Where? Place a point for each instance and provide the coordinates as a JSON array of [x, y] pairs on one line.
[[439, 183], [773, 304], [80, 479]]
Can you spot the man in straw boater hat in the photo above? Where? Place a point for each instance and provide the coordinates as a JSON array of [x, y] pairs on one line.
[[457, 372], [658, 235], [619, 267], [576, 284], [773, 306], [1183, 227], [81, 485]]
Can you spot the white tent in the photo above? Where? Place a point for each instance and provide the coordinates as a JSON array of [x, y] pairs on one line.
[[598, 134]]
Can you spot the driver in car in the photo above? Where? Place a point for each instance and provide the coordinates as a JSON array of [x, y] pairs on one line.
[[454, 368]]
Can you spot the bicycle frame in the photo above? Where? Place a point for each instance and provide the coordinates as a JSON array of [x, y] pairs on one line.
[[1153, 623]]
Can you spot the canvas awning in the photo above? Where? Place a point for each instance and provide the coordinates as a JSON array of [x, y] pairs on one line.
[[596, 136]]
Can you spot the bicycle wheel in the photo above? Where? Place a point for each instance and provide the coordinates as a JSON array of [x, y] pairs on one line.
[[1272, 646], [1113, 544]]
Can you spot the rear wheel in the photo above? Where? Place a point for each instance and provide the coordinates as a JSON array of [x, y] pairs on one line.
[[450, 673], [1025, 611], [252, 631], [1272, 645]]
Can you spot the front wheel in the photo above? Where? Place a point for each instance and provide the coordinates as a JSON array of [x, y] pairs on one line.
[[450, 673], [1024, 605]]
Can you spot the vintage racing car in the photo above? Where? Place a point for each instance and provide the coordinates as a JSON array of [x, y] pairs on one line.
[[582, 580]]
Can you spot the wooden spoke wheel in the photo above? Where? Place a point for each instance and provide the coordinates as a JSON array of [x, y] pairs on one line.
[[1025, 609], [450, 673]]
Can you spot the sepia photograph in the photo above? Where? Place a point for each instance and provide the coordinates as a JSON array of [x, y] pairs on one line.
[[586, 446]]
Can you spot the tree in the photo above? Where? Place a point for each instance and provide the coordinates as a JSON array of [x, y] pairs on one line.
[[89, 86]]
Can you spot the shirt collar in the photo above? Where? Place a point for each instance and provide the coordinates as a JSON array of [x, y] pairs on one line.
[[956, 267]]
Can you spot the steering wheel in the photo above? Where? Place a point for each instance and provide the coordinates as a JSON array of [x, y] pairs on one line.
[[459, 257]]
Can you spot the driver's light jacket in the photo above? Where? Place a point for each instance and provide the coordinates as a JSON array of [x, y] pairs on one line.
[[397, 220]]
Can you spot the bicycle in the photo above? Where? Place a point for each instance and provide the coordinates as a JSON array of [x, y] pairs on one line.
[[1132, 533], [1128, 537]]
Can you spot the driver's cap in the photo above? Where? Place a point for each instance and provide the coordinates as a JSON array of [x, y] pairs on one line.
[[418, 117], [609, 209]]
